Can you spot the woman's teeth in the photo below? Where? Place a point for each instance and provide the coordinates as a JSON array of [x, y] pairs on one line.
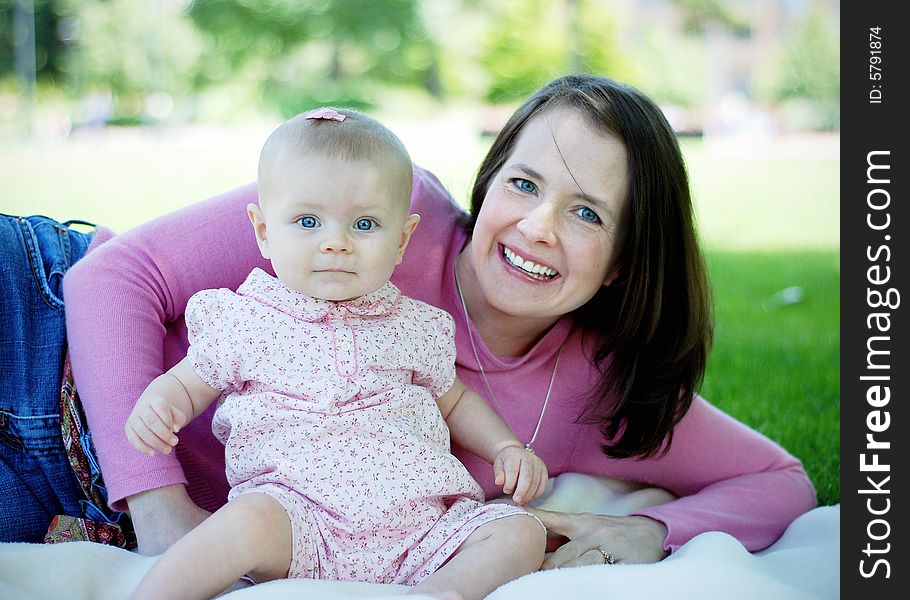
[[533, 269]]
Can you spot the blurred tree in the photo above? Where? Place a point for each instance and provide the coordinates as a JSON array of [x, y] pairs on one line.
[[134, 51], [316, 51], [49, 48], [671, 67], [808, 70], [536, 40], [704, 14]]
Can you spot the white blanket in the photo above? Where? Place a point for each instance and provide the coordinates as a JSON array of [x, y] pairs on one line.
[[803, 564]]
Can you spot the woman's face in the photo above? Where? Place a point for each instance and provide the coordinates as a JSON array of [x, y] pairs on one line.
[[546, 234]]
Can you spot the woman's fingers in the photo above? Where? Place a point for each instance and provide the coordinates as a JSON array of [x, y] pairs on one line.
[[571, 554], [562, 523], [627, 539]]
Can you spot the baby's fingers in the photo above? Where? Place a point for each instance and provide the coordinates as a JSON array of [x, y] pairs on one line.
[[532, 481], [505, 473], [159, 416], [136, 441], [178, 418], [536, 491], [528, 479], [145, 441]]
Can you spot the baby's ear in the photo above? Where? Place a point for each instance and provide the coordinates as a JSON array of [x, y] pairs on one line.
[[410, 224], [259, 228]]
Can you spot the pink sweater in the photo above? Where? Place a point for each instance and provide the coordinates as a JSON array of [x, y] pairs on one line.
[[125, 303]]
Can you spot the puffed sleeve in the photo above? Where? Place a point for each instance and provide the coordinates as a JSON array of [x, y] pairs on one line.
[[213, 327], [437, 367]]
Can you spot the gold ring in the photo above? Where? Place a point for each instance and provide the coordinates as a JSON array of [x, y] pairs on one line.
[[608, 558]]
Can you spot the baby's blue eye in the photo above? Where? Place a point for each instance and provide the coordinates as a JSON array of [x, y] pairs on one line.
[[588, 215], [525, 186], [364, 224], [308, 222]]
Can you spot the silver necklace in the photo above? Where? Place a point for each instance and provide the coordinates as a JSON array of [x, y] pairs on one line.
[[483, 373]]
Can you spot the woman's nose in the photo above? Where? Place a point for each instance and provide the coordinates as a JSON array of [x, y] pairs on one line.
[[539, 225]]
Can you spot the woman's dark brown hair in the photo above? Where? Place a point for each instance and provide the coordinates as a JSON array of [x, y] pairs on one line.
[[652, 327]]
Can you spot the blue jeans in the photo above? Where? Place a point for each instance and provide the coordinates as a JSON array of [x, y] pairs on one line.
[[36, 479]]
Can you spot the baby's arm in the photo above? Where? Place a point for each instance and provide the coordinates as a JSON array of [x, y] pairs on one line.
[[169, 402], [475, 427]]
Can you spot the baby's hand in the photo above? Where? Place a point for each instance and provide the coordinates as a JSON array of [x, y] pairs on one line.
[[152, 424], [520, 471]]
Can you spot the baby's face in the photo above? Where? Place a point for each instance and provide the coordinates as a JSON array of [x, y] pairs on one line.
[[333, 229]]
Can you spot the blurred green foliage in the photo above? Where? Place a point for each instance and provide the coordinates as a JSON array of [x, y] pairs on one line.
[[133, 49], [224, 60], [49, 47], [534, 41], [675, 72], [317, 52], [809, 71]]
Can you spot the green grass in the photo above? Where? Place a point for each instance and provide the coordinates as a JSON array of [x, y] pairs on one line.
[[769, 217], [776, 368], [777, 199]]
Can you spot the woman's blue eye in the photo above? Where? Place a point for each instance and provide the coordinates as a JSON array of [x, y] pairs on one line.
[[588, 215], [307, 222], [526, 186], [364, 224]]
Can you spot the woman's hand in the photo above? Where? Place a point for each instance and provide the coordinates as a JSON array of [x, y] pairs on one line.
[[162, 516], [520, 471], [627, 539]]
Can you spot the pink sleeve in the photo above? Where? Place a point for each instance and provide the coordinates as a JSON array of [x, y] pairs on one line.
[[124, 305], [728, 478], [215, 339], [438, 358]]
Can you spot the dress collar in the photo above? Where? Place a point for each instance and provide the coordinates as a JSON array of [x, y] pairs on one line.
[[267, 289]]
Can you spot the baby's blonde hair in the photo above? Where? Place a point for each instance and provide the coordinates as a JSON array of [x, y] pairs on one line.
[[356, 138]]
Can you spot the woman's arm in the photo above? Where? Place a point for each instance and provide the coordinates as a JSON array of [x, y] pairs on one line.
[[728, 478], [125, 302], [163, 515]]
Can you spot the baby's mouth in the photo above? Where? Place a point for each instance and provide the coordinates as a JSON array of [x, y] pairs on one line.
[[532, 269]]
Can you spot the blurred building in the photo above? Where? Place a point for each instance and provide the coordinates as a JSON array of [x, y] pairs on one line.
[[739, 37]]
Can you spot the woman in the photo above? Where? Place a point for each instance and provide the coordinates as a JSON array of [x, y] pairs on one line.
[[582, 312]]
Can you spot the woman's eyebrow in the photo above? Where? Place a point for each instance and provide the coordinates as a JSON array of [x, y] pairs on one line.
[[528, 171], [597, 202]]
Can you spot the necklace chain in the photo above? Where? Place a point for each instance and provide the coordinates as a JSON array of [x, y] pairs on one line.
[[483, 374]]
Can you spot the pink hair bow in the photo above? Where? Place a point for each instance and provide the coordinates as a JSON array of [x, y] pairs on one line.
[[325, 113]]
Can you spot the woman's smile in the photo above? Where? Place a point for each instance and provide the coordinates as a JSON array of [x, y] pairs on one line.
[[527, 267]]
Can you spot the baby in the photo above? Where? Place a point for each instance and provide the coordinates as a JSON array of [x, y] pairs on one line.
[[337, 395]]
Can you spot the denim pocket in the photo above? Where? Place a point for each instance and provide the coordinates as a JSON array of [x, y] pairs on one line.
[[38, 435], [48, 248], [36, 481]]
